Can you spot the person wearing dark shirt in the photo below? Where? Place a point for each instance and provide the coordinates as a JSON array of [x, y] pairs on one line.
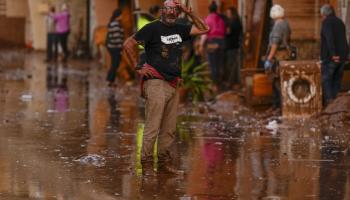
[[233, 39], [51, 53], [114, 44], [162, 40], [334, 53]]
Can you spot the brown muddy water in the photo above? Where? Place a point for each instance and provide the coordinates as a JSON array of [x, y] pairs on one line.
[[64, 135]]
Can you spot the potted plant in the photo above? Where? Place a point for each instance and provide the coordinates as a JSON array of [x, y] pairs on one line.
[[196, 80]]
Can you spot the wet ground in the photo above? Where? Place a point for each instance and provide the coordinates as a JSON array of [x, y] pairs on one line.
[[65, 135]]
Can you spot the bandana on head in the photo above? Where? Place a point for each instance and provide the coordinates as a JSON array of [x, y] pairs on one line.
[[170, 3]]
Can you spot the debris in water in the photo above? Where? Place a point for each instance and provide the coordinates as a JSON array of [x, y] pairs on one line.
[[311, 160], [92, 159], [342, 152], [272, 126], [26, 97]]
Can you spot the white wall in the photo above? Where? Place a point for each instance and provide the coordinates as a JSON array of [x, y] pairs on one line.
[[37, 22], [36, 26]]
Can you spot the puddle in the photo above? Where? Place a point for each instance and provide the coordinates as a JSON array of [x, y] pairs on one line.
[[71, 114]]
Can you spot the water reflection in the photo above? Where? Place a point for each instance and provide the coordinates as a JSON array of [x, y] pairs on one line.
[[57, 75], [99, 117], [114, 112], [213, 167], [57, 85], [334, 176], [71, 115]]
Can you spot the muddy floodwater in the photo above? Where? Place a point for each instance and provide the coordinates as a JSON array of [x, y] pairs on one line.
[[65, 135]]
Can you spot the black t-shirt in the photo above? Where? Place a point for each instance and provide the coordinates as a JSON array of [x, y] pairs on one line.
[[163, 46], [233, 38]]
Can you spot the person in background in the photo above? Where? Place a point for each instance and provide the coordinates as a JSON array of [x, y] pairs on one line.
[[147, 17], [334, 53], [51, 48], [161, 74], [63, 29], [279, 41], [233, 42], [215, 42], [155, 12], [114, 44]]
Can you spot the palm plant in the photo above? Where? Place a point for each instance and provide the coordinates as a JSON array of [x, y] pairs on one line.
[[196, 80]]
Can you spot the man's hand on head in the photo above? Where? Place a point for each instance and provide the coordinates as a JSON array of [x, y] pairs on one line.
[[183, 8]]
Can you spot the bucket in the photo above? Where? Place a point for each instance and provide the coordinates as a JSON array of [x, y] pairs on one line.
[[262, 86]]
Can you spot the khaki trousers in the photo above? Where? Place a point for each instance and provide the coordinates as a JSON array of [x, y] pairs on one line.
[[160, 117]]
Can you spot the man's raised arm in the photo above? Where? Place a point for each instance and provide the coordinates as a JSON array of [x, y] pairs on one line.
[[200, 27]]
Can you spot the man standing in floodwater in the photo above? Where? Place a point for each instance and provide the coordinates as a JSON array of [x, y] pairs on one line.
[[162, 40]]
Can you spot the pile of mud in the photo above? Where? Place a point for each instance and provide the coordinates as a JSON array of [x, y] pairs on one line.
[[229, 102], [338, 111]]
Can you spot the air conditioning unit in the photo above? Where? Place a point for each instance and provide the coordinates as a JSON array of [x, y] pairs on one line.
[[301, 88]]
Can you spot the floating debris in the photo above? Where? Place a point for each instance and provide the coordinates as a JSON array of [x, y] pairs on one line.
[[272, 126], [310, 160], [92, 159], [26, 97]]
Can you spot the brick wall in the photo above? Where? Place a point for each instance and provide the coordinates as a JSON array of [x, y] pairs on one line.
[[305, 21], [303, 16]]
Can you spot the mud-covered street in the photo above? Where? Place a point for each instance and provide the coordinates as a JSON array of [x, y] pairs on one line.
[[65, 135]]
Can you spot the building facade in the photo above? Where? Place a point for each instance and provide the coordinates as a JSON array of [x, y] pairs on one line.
[[23, 21]]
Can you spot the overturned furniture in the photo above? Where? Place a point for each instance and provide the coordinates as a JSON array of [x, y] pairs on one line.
[[301, 88]]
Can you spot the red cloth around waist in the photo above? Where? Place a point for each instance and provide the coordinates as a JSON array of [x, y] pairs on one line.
[[157, 75]]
